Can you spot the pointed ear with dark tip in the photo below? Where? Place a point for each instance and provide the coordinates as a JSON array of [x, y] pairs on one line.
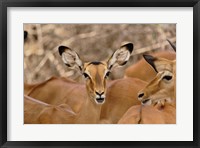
[[121, 56], [70, 58], [151, 60], [25, 34], [173, 46]]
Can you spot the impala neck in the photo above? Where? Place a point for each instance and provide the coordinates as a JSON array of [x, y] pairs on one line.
[[90, 112]]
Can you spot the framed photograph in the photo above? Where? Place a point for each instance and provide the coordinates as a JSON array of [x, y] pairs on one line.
[[99, 74]]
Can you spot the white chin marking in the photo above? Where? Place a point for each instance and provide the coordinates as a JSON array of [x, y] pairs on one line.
[[149, 102]]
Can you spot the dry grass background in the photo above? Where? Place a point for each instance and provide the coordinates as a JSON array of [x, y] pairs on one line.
[[92, 42]]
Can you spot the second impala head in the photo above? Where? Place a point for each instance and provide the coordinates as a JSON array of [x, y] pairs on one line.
[[162, 87], [97, 72]]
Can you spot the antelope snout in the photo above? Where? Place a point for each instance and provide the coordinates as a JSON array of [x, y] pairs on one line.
[[140, 95], [99, 93], [143, 99], [100, 97]]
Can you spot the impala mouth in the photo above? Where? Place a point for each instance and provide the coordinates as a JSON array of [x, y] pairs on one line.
[[100, 100], [146, 102]]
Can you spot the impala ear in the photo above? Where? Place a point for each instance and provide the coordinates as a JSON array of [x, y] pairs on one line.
[[70, 58], [150, 59], [120, 56], [158, 64], [25, 34]]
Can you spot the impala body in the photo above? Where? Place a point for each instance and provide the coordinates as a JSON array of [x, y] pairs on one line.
[[86, 100], [121, 95], [36, 112], [139, 114], [158, 97]]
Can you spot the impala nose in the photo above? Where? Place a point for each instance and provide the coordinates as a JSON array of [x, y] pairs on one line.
[[140, 95], [100, 97], [100, 94]]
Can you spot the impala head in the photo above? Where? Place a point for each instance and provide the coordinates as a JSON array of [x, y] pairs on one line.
[[162, 87], [97, 72]]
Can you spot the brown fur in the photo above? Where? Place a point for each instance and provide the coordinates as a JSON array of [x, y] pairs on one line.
[[37, 112], [56, 91], [85, 100], [158, 90], [121, 95], [149, 115], [143, 70]]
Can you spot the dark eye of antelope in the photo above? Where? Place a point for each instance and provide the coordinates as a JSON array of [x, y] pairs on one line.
[[86, 75], [167, 78], [107, 74]]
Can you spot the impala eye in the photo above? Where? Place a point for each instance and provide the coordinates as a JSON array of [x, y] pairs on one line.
[[86, 75], [107, 74], [167, 78]]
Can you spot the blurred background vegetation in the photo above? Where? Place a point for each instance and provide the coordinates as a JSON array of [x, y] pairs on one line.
[[93, 42]]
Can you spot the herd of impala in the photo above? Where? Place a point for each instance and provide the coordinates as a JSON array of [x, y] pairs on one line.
[[146, 94]]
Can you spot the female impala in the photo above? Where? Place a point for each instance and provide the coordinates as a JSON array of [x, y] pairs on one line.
[[85, 101], [141, 68], [159, 96], [163, 86]]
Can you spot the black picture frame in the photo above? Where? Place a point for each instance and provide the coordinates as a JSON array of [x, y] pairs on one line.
[[4, 4]]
